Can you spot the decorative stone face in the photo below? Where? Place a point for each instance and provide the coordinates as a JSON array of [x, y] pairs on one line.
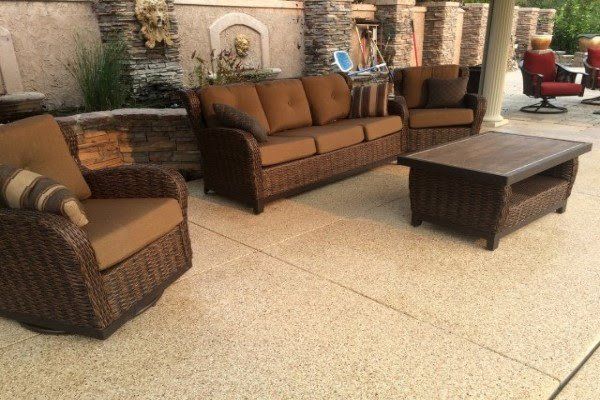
[[156, 24], [242, 45]]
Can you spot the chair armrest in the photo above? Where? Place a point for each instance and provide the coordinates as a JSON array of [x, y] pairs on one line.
[[132, 181], [478, 104], [566, 74], [49, 271], [593, 74], [532, 83]]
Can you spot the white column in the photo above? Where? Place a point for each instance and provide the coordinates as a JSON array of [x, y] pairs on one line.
[[494, 64]]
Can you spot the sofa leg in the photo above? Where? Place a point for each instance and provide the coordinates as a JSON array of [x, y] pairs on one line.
[[258, 207]]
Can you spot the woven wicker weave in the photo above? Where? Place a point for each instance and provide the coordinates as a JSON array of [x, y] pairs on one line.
[[484, 209], [49, 276], [232, 167]]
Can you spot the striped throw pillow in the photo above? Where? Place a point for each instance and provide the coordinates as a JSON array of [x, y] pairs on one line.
[[23, 189], [369, 101]]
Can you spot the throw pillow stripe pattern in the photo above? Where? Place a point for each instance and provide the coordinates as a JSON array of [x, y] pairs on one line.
[[23, 189], [369, 101]]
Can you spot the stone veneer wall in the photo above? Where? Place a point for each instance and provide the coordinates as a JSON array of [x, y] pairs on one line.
[[441, 25], [474, 33], [546, 19], [157, 136], [327, 28], [154, 74], [395, 19], [526, 28]]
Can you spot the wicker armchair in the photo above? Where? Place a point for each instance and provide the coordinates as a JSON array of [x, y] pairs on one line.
[[592, 68], [411, 93], [50, 276], [544, 79]]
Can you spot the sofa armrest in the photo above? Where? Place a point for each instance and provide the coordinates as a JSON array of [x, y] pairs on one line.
[[397, 106], [232, 163], [133, 181], [478, 104], [49, 271]]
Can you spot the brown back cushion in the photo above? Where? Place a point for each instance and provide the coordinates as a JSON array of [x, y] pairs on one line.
[[285, 104], [446, 93], [369, 101], [242, 96], [328, 97], [37, 144], [414, 82]]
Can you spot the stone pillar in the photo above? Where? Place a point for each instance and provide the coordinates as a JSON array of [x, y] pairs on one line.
[[395, 32], [526, 28], [494, 65], [473, 33], [327, 29], [511, 63], [546, 19], [441, 24], [155, 74]]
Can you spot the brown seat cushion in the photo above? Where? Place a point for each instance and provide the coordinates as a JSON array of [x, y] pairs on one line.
[[242, 96], [285, 104], [279, 149], [119, 228], [414, 82], [329, 137], [37, 144], [375, 127], [440, 117], [328, 97]]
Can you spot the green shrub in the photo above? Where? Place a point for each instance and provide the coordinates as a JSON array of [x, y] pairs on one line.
[[574, 18], [99, 71]]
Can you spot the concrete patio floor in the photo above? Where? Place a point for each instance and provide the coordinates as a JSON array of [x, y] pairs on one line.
[[332, 294]]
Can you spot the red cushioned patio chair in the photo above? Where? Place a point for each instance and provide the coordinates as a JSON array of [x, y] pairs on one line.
[[544, 79]]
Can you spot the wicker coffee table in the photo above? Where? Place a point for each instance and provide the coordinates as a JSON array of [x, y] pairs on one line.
[[492, 184]]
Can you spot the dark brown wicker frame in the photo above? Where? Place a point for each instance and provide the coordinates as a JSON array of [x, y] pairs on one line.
[[231, 160], [592, 82], [532, 87], [486, 209], [423, 138], [49, 276]]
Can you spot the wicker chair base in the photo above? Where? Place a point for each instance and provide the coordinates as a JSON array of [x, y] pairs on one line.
[[421, 139], [487, 210]]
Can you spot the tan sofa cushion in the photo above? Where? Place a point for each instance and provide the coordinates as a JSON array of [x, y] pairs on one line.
[[375, 127], [328, 97], [329, 137], [119, 228], [440, 117], [38, 145], [279, 149], [414, 82], [243, 97], [285, 104]]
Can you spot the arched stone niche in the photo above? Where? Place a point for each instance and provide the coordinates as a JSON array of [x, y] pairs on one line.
[[232, 20]]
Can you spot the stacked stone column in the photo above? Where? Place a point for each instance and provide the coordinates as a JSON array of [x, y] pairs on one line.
[[546, 19], [526, 27], [473, 33], [154, 74], [395, 32], [328, 25], [441, 30]]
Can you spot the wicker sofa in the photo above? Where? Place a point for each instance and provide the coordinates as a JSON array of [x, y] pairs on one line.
[[55, 276], [311, 141], [430, 127]]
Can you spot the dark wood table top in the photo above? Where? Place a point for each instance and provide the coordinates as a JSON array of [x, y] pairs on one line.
[[497, 157]]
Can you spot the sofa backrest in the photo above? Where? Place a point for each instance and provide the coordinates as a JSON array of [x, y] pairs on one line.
[[285, 104], [412, 82], [241, 96], [282, 104], [37, 144], [328, 97]]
